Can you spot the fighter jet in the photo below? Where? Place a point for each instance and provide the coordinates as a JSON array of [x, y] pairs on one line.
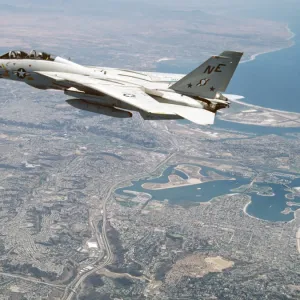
[[196, 96]]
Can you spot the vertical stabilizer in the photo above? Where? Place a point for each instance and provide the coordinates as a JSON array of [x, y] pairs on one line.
[[211, 77]]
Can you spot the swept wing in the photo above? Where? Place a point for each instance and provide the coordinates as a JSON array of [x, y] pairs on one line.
[[131, 95]]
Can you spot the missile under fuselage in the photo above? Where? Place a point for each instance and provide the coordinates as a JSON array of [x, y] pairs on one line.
[[99, 109]]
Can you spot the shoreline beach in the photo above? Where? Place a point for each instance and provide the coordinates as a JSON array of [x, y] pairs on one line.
[[291, 37]]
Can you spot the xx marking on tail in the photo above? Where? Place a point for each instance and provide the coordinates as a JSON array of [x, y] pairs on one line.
[[203, 82]]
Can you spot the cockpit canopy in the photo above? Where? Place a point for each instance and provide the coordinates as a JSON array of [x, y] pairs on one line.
[[33, 54]]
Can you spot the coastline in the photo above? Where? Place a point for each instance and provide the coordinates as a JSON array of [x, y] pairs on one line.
[[292, 34], [250, 216], [257, 107], [291, 37]]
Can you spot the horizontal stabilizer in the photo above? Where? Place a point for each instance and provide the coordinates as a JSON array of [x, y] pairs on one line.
[[233, 97], [196, 115]]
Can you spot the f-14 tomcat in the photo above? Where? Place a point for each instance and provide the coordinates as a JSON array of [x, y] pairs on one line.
[[196, 96]]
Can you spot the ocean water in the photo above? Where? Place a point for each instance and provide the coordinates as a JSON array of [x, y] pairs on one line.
[[270, 80]]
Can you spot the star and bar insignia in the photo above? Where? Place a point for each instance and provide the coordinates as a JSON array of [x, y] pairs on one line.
[[21, 73]]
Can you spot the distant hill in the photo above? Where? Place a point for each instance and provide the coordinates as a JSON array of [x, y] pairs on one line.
[[116, 8]]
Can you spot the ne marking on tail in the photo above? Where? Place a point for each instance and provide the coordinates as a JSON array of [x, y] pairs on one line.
[[217, 69]]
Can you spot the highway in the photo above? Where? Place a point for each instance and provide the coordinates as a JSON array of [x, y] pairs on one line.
[[298, 239], [61, 287], [73, 287]]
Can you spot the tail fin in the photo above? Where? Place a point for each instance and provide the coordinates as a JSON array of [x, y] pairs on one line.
[[211, 77]]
